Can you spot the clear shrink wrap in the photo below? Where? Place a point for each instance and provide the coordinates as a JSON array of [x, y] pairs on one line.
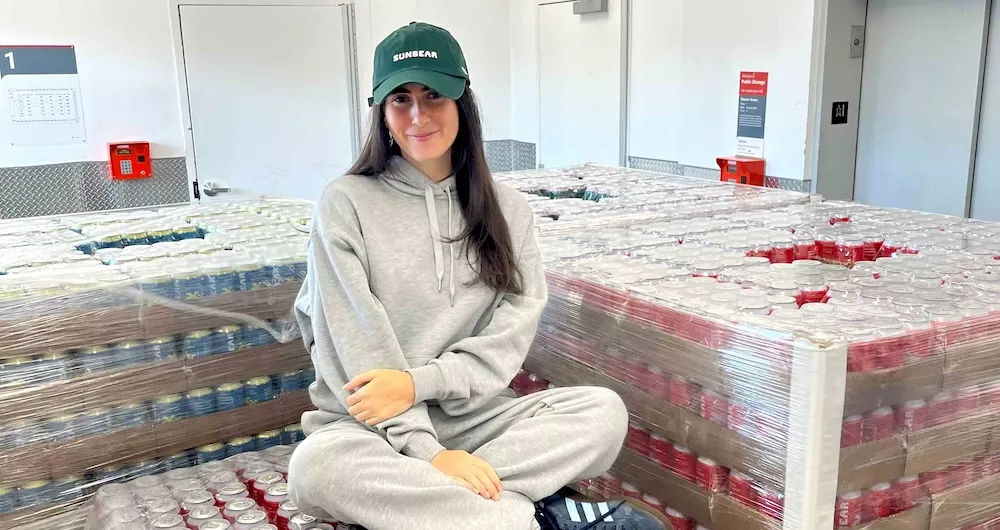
[[136, 342]]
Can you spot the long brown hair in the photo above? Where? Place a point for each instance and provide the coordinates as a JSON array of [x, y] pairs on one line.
[[487, 235]]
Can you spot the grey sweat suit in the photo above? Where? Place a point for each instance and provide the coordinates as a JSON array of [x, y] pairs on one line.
[[385, 289]]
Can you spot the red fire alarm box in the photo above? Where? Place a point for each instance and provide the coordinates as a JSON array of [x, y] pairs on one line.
[[742, 170], [130, 161]]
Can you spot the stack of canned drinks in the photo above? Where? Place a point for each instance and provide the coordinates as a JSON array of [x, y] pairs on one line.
[[228, 396], [244, 492]]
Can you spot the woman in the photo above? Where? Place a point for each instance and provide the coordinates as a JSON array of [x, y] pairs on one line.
[[423, 294]]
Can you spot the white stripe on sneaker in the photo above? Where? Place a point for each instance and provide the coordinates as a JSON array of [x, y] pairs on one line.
[[604, 509], [574, 514], [588, 512]]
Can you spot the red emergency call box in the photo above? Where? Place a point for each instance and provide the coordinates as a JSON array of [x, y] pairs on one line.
[[130, 161], [742, 170]]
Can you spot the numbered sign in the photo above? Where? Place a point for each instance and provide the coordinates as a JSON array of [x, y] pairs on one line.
[[41, 103]]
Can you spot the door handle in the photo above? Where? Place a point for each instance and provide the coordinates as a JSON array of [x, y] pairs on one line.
[[212, 188]]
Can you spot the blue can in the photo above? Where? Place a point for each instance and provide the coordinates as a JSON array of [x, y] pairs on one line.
[[199, 344], [68, 489], [130, 353], [301, 267], [210, 453], [177, 461], [160, 236], [35, 493], [20, 433], [230, 396], [95, 359], [130, 415], [55, 366], [221, 278], [227, 339], [190, 284], [162, 349], [93, 422], [186, 232], [8, 500], [160, 284], [146, 467], [168, 409], [64, 427], [267, 439], [259, 390], [108, 474], [283, 270], [308, 376], [201, 401], [247, 275], [135, 238], [113, 241], [240, 445], [18, 371], [257, 336], [292, 434], [289, 382]]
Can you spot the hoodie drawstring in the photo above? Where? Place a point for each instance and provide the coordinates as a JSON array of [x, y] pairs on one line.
[[436, 236]]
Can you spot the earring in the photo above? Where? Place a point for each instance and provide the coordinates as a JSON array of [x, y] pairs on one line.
[[391, 141]]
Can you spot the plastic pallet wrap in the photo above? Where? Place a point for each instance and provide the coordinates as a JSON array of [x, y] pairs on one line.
[[787, 363], [138, 341]]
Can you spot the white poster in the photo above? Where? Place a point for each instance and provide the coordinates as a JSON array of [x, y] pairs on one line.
[[40, 96]]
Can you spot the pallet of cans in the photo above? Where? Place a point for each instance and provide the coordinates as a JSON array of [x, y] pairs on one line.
[[138, 340], [787, 362]]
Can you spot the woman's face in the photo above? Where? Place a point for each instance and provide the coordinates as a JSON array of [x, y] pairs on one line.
[[423, 122]]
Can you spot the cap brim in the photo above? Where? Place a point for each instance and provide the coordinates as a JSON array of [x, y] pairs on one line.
[[448, 86]]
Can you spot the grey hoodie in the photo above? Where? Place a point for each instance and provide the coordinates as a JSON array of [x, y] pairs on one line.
[[386, 290]]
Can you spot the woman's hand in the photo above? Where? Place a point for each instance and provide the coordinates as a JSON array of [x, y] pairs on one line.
[[380, 395], [470, 471]]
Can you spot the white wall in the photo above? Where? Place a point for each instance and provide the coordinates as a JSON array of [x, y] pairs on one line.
[[127, 76], [524, 70], [482, 27], [841, 81], [986, 185], [686, 60]]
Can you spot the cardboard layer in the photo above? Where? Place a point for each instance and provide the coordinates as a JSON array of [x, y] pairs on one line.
[[730, 514], [973, 363], [62, 329], [970, 504], [956, 441], [867, 391], [755, 457], [148, 381], [863, 466], [915, 519]]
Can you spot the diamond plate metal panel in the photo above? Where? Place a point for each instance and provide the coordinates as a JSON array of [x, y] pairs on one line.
[[85, 186], [804, 186], [701, 172], [509, 155], [655, 164], [525, 155]]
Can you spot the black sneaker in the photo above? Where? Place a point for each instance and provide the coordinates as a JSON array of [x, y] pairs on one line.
[[560, 512]]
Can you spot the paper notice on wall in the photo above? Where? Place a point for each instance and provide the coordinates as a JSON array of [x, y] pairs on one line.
[[40, 101], [752, 114]]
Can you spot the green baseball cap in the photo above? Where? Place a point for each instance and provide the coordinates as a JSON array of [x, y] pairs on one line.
[[420, 53]]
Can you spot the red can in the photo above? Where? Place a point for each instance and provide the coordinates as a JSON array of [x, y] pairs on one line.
[[661, 451], [711, 475], [234, 509], [770, 502], [679, 520], [653, 503], [911, 416], [231, 492], [862, 357], [714, 407], [263, 482], [195, 499], [521, 383], [630, 491], [612, 485], [276, 495], [285, 512], [853, 431], [935, 481], [682, 392], [909, 492], [890, 353], [658, 383], [638, 439], [739, 419], [741, 489], [685, 462], [941, 409], [881, 500], [849, 509], [879, 424], [537, 383]]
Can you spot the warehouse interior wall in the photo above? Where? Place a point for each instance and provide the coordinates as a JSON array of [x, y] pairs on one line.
[[986, 183], [127, 76], [841, 82], [686, 57]]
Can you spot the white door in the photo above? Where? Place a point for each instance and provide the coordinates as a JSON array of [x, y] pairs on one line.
[[580, 78], [270, 96], [986, 184], [919, 95]]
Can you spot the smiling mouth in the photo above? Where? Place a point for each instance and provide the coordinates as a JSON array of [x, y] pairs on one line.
[[423, 137]]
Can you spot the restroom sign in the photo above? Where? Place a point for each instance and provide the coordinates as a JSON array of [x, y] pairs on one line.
[[752, 115]]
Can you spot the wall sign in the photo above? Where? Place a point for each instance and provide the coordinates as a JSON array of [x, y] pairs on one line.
[[752, 114], [839, 116], [40, 89]]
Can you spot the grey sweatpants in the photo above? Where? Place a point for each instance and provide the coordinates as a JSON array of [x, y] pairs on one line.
[[537, 444]]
